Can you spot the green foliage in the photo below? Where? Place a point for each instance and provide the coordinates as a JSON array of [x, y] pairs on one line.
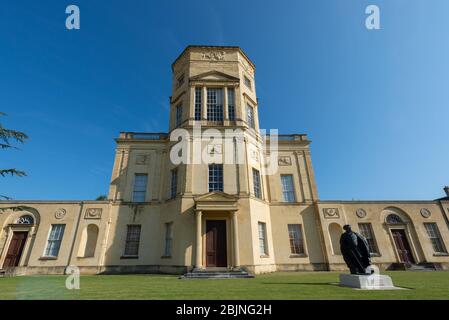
[[7, 136], [102, 198]]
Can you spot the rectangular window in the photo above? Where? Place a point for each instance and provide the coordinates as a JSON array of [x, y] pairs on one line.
[[178, 119], [247, 82], [435, 237], [198, 103], [250, 116], [262, 239], [366, 230], [215, 177], [168, 239], [215, 104], [256, 182], [174, 183], [132, 240], [140, 187], [288, 189], [54, 240], [231, 104], [296, 240]]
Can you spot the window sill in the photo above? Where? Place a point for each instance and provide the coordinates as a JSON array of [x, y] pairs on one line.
[[129, 257], [48, 258], [375, 255], [441, 254], [300, 255], [166, 257], [264, 256], [80, 258]]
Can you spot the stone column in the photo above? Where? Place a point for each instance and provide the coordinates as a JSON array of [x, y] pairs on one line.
[[235, 237], [204, 104], [199, 243]]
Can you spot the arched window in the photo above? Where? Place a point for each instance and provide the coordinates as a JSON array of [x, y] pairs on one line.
[[335, 232], [26, 219], [394, 219], [88, 241]]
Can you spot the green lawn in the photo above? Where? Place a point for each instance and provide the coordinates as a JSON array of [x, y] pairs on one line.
[[294, 285]]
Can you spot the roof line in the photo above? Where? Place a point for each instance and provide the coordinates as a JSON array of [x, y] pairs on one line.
[[208, 46]]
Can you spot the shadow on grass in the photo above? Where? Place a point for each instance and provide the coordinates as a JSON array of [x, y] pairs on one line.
[[305, 283]]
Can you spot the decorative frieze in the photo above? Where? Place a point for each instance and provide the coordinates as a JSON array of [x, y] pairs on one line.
[[142, 159], [60, 213], [361, 213], [214, 149], [284, 161], [331, 213], [93, 213], [214, 55], [425, 213]]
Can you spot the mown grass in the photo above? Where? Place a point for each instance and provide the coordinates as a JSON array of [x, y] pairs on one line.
[[294, 285]]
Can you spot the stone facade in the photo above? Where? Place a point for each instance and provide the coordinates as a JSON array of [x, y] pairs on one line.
[[177, 223]]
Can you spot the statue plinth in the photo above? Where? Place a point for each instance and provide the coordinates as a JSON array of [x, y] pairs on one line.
[[367, 282]]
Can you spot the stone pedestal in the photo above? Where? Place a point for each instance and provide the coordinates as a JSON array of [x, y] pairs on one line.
[[374, 281]]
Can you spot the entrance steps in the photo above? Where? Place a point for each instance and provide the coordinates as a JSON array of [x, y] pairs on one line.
[[415, 267], [216, 274]]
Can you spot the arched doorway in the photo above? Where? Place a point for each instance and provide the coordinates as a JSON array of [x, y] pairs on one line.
[[400, 227], [335, 232], [18, 234]]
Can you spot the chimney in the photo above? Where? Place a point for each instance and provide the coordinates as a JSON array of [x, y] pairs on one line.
[[446, 189]]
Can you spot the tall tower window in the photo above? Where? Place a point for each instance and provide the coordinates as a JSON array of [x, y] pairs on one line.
[[215, 177], [215, 104], [231, 104], [178, 119], [247, 82], [174, 183], [140, 187], [256, 183], [198, 103], [288, 189], [250, 116]]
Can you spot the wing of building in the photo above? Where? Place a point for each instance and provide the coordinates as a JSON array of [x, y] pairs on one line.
[[252, 205]]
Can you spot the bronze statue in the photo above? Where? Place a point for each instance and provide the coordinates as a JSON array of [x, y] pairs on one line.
[[355, 251]]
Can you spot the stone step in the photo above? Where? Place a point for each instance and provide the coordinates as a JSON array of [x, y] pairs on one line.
[[414, 267], [206, 274]]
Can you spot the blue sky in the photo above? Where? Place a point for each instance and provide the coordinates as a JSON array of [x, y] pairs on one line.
[[374, 103]]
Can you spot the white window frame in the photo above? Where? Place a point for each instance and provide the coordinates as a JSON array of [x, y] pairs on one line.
[[140, 193], [54, 241], [296, 235], [263, 243], [288, 195], [136, 242]]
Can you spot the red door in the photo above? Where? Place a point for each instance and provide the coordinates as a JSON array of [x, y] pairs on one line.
[[216, 243], [15, 249], [402, 245]]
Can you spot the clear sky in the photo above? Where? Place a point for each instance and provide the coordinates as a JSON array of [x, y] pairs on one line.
[[373, 102]]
